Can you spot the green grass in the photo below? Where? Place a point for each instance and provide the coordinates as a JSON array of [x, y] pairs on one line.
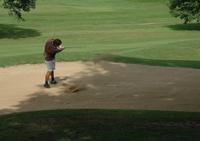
[[135, 29], [100, 125], [130, 31]]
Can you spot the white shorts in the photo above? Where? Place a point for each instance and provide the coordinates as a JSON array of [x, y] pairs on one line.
[[50, 65]]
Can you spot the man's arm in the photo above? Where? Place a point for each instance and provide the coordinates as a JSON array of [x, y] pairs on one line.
[[53, 50], [59, 49]]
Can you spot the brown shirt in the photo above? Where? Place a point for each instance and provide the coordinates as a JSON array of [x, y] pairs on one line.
[[50, 50]]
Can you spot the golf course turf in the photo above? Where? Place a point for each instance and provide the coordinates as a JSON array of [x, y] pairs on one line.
[[128, 31], [141, 30], [100, 125]]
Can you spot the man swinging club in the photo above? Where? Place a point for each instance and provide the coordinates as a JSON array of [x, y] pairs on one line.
[[51, 47]]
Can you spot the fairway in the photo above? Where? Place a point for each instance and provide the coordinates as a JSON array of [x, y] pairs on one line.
[[131, 31]]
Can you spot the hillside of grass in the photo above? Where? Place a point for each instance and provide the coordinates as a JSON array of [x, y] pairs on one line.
[[126, 30]]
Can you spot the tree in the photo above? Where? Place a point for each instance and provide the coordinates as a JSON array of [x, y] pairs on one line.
[[187, 10], [16, 7]]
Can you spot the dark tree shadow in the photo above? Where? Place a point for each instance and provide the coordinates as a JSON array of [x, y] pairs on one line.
[[185, 26], [153, 62], [11, 31]]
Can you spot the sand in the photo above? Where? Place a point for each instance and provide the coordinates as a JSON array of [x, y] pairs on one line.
[[105, 85]]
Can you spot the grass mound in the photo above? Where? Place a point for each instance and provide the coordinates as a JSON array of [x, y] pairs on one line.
[[100, 125]]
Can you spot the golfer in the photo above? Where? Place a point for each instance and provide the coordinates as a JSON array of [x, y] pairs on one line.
[[51, 48]]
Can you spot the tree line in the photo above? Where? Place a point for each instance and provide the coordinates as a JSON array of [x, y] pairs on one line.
[[16, 7], [186, 10]]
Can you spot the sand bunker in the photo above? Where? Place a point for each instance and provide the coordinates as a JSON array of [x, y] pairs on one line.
[[103, 85]]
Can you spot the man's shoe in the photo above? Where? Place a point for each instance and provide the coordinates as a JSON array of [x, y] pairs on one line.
[[46, 85], [53, 82]]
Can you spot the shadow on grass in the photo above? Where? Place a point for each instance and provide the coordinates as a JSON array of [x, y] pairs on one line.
[[11, 31], [185, 27], [153, 62], [100, 125]]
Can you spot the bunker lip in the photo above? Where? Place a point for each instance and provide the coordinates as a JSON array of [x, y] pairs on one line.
[[103, 84]]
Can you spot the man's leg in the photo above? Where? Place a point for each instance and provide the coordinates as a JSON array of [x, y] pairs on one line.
[[53, 81], [52, 75], [48, 74]]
